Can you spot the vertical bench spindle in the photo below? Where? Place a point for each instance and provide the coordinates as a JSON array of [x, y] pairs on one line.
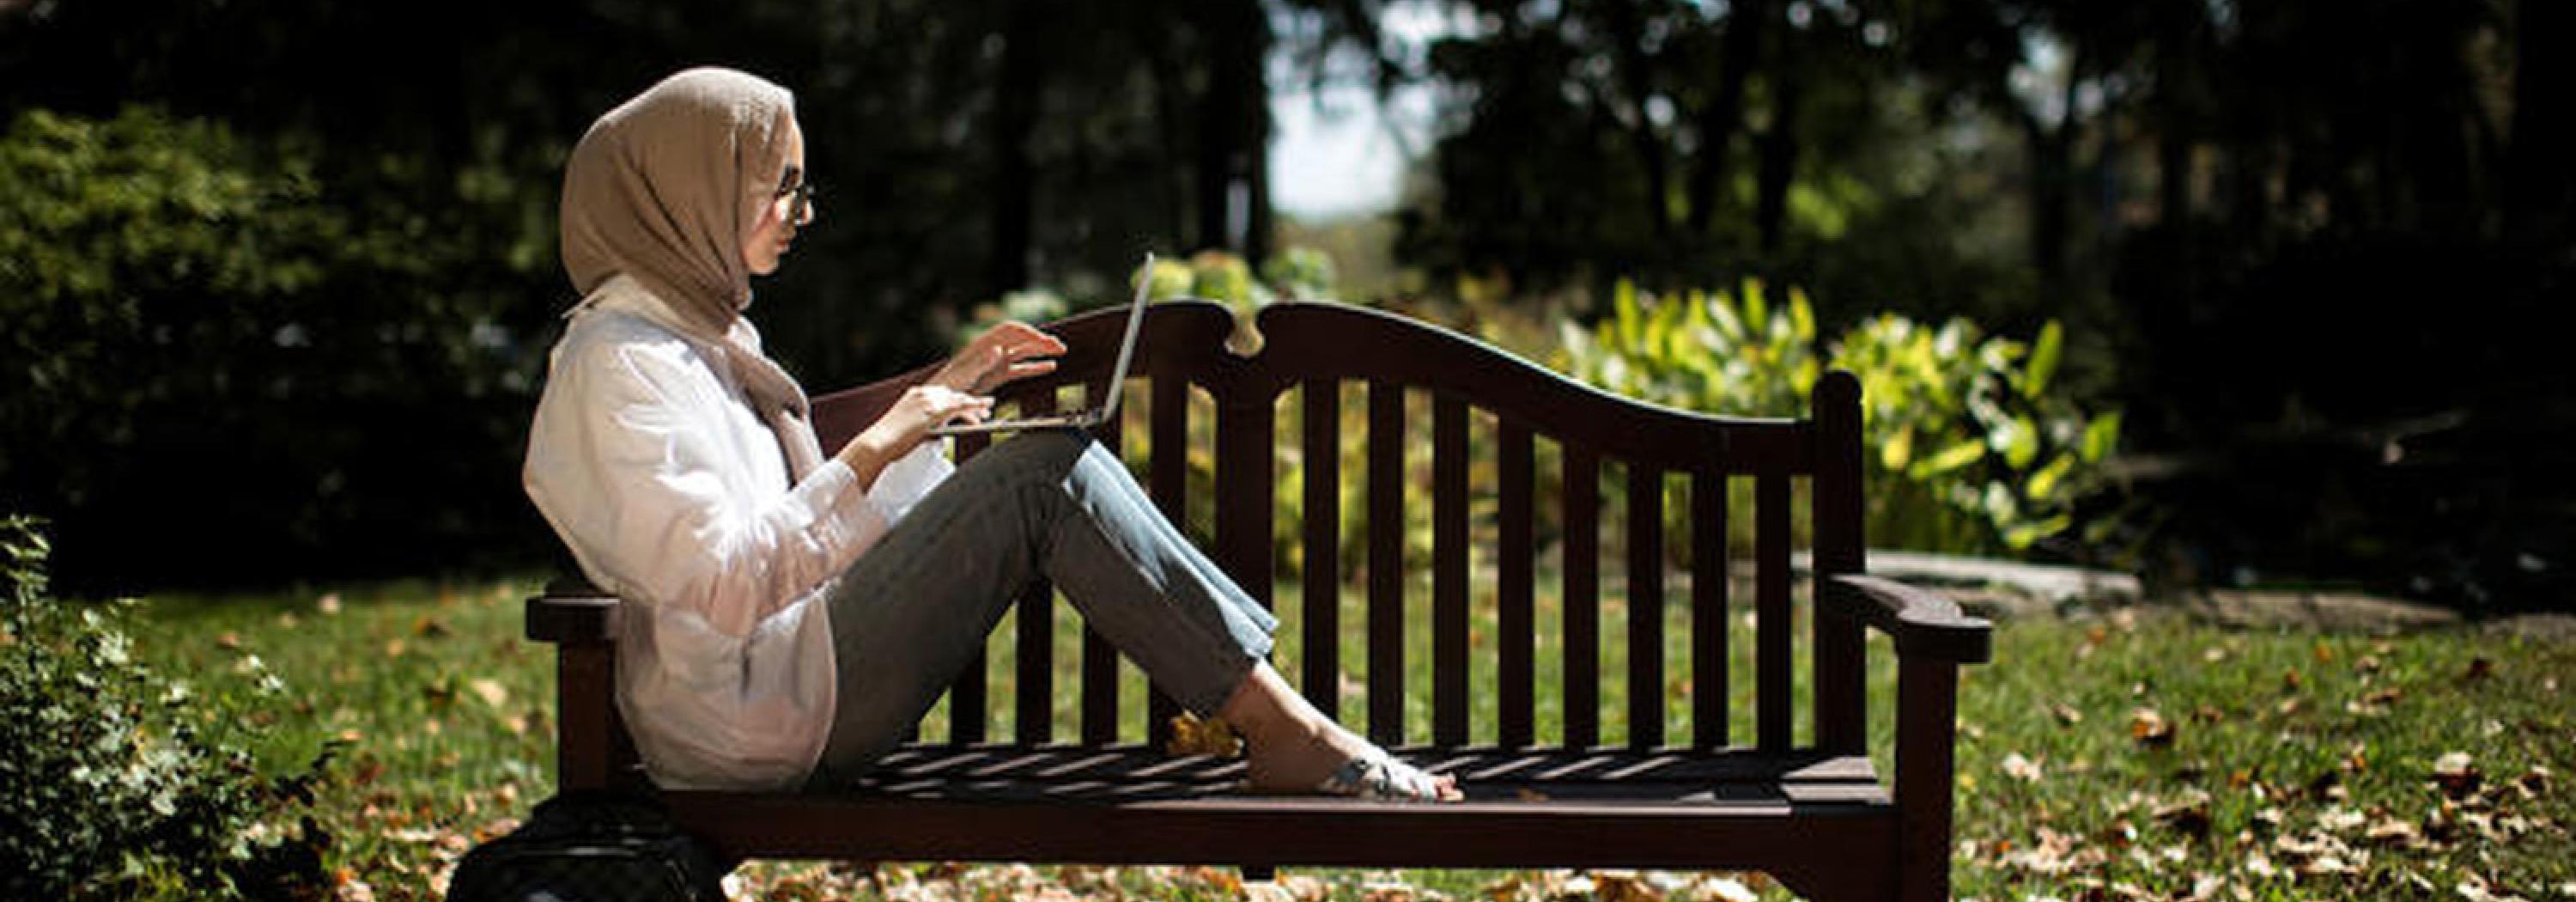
[[1515, 622], [1449, 571], [1322, 610], [1771, 609], [1168, 473], [1033, 715], [1645, 607], [1582, 634], [1386, 563], [1709, 684]]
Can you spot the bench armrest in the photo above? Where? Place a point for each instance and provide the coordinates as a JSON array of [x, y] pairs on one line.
[[1922, 622], [572, 612]]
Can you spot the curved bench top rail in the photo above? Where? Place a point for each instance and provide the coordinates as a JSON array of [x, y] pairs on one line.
[[1308, 341]]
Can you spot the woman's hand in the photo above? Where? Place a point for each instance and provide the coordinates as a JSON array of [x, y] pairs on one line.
[[1010, 351], [907, 423]]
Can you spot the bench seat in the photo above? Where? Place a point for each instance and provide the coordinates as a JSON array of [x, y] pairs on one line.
[[1690, 809]]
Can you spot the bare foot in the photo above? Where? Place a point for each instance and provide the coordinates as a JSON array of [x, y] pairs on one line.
[[1295, 748]]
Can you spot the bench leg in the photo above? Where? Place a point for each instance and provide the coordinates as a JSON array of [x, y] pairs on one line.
[[1927, 708], [585, 716], [1259, 873]]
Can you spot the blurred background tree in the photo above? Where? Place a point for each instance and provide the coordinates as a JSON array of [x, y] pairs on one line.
[[281, 275]]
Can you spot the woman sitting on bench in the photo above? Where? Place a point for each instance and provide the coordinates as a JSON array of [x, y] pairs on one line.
[[794, 614]]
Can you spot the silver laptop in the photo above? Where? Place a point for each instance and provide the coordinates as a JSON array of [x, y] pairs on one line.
[[1090, 417]]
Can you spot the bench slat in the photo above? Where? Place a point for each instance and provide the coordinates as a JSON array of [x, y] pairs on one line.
[[1246, 487], [1515, 627], [1033, 652], [1645, 606], [1841, 668], [1771, 610], [968, 699], [1772, 830], [1581, 471], [1521, 766], [1449, 571], [1169, 484], [1322, 610], [1099, 658], [1386, 562], [1709, 683]]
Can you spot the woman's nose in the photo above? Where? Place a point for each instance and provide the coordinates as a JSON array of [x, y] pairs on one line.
[[809, 213]]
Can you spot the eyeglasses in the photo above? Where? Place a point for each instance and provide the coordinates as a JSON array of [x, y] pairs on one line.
[[794, 182]]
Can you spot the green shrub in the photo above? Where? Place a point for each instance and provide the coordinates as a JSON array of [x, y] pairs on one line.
[[1972, 447], [178, 299], [120, 780]]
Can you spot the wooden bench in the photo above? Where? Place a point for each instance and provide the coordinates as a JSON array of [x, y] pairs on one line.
[[1805, 806]]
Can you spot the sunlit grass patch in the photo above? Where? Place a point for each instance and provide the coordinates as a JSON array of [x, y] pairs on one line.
[[2131, 756]]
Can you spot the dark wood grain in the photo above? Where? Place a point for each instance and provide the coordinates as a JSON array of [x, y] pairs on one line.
[[1099, 658], [1841, 669], [1386, 562], [1645, 541], [1582, 632], [1322, 607], [1449, 542], [1516, 553], [1168, 475], [1771, 628], [1709, 573]]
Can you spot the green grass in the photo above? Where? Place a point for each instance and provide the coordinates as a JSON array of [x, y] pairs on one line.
[[2287, 750]]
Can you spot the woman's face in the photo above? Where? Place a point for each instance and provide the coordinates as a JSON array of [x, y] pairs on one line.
[[773, 233]]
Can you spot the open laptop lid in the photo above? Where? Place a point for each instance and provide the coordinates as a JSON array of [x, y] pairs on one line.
[[1127, 346]]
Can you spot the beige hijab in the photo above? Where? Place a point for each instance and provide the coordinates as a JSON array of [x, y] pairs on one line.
[[664, 189]]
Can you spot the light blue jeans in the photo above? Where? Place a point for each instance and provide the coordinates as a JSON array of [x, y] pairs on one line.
[[912, 613]]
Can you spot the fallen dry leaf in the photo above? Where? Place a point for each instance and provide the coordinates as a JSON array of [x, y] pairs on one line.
[[2389, 831], [2150, 728], [328, 604], [2457, 774], [1727, 889], [2189, 816], [1194, 735], [491, 692], [2020, 768]]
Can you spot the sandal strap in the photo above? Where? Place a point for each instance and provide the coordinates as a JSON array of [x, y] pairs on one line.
[[1378, 777]]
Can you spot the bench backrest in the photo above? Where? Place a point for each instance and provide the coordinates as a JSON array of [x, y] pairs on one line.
[[1522, 416]]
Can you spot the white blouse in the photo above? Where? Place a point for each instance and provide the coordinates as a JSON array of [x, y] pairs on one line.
[[673, 494]]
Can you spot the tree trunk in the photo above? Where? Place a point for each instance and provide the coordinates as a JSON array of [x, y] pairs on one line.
[[2052, 170], [1637, 81], [1779, 160], [1015, 110], [2537, 186], [1720, 117], [1233, 124]]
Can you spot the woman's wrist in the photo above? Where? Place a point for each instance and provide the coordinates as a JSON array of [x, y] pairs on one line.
[[867, 456]]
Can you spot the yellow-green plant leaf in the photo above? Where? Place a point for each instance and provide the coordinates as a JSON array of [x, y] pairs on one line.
[[2045, 483], [1757, 315], [1802, 316], [1898, 451], [2043, 359], [2024, 446], [1721, 310], [1950, 458], [1624, 310], [2024, 535], [2101, 437]]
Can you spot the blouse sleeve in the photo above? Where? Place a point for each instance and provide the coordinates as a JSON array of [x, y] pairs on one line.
[[630, 459]]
